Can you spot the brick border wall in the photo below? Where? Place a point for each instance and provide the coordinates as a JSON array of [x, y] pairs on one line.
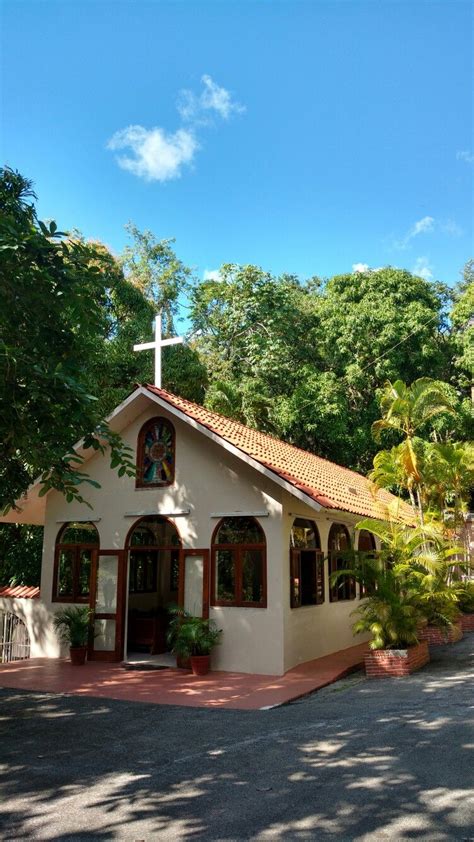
[[439, 637], [467, 623], [395, 663]]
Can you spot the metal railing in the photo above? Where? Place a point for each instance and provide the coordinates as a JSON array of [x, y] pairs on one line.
[[14, 638]]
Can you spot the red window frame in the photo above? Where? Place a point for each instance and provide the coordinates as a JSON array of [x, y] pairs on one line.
[[345, 588], [237, 552], [295, 568], [367, 552], [76, 549]]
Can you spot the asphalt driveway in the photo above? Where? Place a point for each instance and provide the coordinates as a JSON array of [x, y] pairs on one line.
[[388, 760]]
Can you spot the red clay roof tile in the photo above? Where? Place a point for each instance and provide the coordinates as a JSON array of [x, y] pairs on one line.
[[331, 485], [20, 592]]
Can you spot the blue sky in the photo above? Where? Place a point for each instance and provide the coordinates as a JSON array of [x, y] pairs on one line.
[[304, 137]]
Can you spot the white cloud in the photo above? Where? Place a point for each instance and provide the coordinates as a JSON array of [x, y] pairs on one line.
[[465, 155], [155, 154], [364, 267], [213, 98], [211, 275], [422, 226], [423, 268]]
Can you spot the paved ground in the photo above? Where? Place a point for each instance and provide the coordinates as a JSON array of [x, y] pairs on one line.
[[179, 687], [388, 760]]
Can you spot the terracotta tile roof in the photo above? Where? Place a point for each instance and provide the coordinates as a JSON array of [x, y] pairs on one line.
[[331, 485], [20, 591]]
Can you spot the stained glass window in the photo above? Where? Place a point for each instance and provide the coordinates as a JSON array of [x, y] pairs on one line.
[[156, 453]]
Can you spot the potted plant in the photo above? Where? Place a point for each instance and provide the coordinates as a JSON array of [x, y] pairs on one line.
[[435, 569], [193, 638], [73, 627], [391, 615], [439, 604], [389, 612]]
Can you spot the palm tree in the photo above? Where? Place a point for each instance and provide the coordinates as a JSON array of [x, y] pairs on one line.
[[420, 564], [406, 409], [449, 471]]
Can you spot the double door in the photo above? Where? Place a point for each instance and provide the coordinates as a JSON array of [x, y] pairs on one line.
[[108, 597]]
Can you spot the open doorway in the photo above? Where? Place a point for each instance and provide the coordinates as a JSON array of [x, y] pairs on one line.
[[154, 547]]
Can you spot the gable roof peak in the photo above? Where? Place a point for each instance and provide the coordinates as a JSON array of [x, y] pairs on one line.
[[330, 485]]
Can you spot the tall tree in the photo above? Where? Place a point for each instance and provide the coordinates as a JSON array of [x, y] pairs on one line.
[[307, 359], [53, 291]]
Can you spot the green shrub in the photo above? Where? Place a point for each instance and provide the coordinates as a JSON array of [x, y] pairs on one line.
[[73, 625]]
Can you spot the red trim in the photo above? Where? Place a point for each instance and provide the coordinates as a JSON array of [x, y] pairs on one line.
[[153, 546], [334, 555], [238, 549], [119, 614], [205, 582], [20, 592]]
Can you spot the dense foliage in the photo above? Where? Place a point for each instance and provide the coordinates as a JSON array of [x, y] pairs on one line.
[[306, 361], [53, 308]]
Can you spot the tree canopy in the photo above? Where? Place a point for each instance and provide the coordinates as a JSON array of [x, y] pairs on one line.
[[307, 361]]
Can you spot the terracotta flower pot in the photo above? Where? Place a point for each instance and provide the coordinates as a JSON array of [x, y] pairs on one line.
[[78, 655], [200, 664]]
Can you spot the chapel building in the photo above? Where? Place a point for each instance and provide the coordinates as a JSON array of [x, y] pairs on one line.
[[230, 523]]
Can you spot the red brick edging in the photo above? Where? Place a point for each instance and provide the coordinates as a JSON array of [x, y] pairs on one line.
[[467, 622], [438, 637], [395, 663]]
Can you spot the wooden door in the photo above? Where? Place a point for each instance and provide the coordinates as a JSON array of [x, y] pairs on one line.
[[107, 605], [193, 594]]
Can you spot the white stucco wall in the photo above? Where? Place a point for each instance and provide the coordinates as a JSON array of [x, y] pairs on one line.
[[208, 479], [37, 618], [312, 631]]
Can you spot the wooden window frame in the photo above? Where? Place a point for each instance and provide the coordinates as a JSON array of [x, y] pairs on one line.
[[295, 569], [147, 548], [295, 574], [237, 551], [349, 583], [371, 553], [77, 549], [139, 482]]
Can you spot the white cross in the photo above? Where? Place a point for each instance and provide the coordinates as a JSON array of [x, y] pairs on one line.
[[157, 345]]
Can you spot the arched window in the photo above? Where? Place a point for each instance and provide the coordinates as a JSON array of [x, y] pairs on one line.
[[156, 454], [339, 554], [306, 564], [366, 542], [75, 546], [154, 545], [366, 549], [239, 575]]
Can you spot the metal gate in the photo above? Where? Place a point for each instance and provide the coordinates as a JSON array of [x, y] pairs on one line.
[[14, 638]]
